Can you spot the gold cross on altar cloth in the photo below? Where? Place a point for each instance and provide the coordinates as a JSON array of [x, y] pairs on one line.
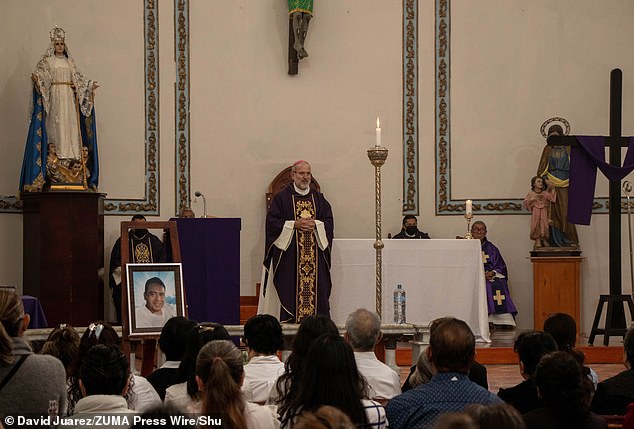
[[498, 297], [485, 257]]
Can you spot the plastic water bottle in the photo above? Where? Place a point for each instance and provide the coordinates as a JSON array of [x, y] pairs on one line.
[[399, 305]]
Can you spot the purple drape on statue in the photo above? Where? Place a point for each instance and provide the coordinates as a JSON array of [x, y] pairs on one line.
[[285, 262], [210, 253], [584, 160]]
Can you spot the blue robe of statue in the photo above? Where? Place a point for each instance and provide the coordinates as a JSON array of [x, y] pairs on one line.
[[498, 296], [33, 175]]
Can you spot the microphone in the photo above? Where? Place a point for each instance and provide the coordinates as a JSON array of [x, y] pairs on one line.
[[200, 194]]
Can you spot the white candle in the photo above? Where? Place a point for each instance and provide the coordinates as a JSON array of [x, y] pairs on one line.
[[469, 207], [378, 132]]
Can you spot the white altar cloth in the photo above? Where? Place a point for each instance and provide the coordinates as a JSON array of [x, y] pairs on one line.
[[440, 277]]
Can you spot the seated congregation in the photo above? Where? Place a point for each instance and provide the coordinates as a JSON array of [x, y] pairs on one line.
[[328, 380]]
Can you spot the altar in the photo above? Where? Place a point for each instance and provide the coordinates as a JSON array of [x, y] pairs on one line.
[[440, 277]]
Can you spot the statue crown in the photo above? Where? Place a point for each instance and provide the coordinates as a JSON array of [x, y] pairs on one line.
[[57, 33]]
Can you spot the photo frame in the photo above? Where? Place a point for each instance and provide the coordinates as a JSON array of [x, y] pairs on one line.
[[154, 295]]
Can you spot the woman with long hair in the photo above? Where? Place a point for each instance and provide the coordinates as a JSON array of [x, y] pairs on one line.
[[185, 393], [329, 376], [63, 343], [219, 376], [311, 328], [29, 383]]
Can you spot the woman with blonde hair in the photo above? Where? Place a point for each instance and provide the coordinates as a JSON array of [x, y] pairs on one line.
[[30, 384], [63, 343], [219, 374]]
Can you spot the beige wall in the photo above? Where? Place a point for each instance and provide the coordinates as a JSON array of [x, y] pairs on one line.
[[514, 64]]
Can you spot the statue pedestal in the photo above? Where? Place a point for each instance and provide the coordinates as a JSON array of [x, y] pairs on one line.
[[556, 285], [63, 255]]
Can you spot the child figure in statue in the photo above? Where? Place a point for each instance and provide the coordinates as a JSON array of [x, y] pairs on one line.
[[537, 201]]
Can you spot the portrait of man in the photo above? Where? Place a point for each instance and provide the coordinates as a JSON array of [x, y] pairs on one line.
[[154, 299]]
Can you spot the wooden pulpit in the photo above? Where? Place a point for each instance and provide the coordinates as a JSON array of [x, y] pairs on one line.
[[556, 287], [63, 254], [210, 253]]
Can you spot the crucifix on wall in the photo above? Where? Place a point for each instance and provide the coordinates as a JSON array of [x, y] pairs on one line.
[[587, 154], [300, 13]]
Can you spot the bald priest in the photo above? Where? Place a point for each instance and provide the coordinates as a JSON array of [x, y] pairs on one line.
[[299, 232]]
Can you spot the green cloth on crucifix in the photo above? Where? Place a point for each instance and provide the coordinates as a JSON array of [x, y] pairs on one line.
[[305, 6]]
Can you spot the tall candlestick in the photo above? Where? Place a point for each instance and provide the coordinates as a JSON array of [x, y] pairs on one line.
[[469, 208], [377, 156], [378, 132]]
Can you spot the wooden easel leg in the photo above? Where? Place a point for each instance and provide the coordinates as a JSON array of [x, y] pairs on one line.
[[630, 305], [149, 356], [597, 319]]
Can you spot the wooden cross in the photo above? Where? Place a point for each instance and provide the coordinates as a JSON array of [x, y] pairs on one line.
[[498, 297], [615, 141]]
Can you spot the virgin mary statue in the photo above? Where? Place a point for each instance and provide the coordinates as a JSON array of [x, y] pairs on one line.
[[61, 147]]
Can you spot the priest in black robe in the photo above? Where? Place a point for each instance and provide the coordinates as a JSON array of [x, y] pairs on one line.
[[145, 248], [299, 233]]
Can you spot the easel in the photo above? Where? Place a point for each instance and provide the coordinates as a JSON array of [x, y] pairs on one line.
[[615, 317], [148, 341]]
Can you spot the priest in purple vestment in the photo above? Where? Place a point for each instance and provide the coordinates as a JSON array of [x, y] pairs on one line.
[[299, 232], [499, 302]]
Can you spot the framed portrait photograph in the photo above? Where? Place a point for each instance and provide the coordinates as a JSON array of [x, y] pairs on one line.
[[155, 295]]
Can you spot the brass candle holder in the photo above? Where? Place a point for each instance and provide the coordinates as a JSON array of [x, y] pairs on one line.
[[469, 217], [377, 156]]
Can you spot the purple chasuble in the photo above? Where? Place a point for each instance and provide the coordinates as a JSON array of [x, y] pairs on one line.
[[301, 273], [584, 160], [498, 296]]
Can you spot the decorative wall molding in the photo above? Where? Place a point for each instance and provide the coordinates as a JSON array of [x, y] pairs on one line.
[[445, 205], [181, 55], [410, 107], [149, 204]]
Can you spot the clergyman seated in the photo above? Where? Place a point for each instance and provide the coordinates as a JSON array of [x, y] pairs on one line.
[[410, 229]]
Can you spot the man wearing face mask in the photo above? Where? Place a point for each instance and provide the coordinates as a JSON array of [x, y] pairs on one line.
[[410, 229], [145, 248]]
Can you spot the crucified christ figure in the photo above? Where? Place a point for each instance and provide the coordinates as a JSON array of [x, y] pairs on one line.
[[301, 11]]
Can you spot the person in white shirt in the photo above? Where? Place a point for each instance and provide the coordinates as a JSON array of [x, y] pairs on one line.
[[263, 338], [155, 312], [363, 332]]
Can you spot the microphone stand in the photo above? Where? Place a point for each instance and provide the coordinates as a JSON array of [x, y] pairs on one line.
[[204, 206], [200, 194]]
